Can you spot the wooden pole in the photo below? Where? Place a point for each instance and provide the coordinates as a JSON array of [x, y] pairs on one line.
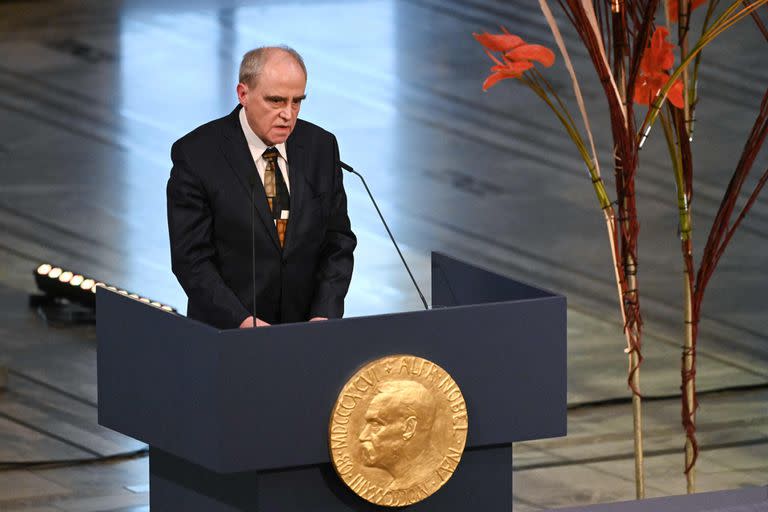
[[688, 356], [637, 417], [637, 411], [689, 397]]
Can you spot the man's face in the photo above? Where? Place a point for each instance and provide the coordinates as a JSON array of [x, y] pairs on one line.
[[382, 436], [273, 103]]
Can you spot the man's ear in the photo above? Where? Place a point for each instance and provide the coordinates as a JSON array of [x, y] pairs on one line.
[[410, 427], [242, 93]]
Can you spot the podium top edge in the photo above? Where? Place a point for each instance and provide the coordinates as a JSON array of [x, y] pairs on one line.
[[436, 256], [294, 325], [399, 314]]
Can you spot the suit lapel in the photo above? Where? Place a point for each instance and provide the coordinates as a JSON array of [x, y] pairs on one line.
[[235, 149], [296, 177]]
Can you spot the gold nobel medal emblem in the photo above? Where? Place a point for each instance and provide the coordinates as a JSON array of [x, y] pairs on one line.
[[398, 430]]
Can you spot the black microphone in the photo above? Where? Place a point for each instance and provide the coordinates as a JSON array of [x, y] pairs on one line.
[[252, 181], [350, 169]]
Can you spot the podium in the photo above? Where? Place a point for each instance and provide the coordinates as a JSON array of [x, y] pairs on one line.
[[237, 420]]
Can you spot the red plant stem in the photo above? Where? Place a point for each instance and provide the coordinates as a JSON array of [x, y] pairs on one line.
[[720, 236], [747, 206], [758, 21], [625, 164]]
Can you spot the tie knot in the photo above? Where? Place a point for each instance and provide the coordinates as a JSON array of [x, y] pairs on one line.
[[270, 154]]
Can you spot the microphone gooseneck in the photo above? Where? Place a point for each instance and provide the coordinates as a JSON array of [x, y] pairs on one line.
[[348, 168], [253, 245]]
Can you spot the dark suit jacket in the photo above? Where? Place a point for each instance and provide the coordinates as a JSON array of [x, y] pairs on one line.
[[209, 220]]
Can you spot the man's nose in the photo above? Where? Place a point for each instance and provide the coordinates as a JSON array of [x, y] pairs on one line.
[[285, 112]]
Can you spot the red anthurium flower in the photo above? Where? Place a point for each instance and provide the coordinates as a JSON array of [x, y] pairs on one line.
[[516, 56], [656, 59], [674, 5]]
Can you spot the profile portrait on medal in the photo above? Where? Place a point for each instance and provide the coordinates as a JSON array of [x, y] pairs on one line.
[[397, 434]]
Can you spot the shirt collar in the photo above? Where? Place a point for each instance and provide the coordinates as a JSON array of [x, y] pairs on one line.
[[254, 141]]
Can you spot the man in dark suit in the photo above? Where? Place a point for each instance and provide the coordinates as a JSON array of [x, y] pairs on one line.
[[303, 241]]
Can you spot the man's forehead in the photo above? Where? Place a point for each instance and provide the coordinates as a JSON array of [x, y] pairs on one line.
[[275, 84], [279, 62]]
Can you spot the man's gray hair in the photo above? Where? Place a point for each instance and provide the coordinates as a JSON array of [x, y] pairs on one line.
[[253, 62]]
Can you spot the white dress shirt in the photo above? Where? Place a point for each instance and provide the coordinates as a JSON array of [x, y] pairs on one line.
[[257, 148]]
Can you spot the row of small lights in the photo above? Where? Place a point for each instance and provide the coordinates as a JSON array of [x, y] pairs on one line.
[[90, 285]]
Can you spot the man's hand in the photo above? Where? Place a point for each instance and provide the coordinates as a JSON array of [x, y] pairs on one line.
[[317, 319], [248, 323]]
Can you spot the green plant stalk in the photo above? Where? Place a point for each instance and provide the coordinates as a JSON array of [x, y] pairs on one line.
[[537, 76], [683, 207], [686, 241], [693, 92], [567, 121]]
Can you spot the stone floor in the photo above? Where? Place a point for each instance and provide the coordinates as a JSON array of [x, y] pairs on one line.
[[93, 92]]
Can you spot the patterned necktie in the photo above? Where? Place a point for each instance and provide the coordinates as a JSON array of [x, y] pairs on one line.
[[277, 193]]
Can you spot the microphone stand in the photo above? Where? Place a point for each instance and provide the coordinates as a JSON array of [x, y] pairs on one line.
[[350, 169]]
